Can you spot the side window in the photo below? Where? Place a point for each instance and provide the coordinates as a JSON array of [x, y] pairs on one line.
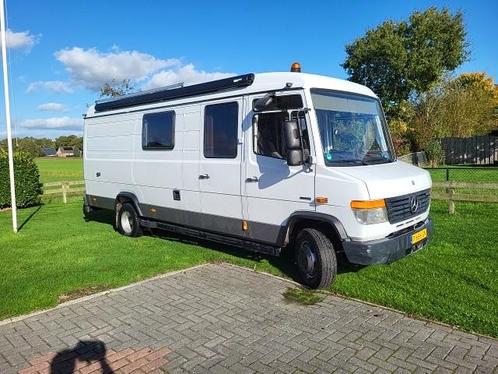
[[268, 135], [158, 130], [220, 130]]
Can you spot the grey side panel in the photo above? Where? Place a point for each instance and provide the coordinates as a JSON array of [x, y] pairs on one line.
[[264, 232], [260, 232], [100, 202], [170, 215]]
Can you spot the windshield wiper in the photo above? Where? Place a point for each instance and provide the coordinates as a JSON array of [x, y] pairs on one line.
[[355, 162], [373, 161]]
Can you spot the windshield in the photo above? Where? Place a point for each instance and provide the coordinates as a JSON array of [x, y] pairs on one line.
[[352, 129]]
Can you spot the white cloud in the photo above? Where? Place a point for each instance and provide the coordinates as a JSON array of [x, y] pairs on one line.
[[18, 40], [51, 107], [54, 123], [187, 74], [54, 86], [92, 68]]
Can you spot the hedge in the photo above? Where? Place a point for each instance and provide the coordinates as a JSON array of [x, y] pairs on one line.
[[27, 176]]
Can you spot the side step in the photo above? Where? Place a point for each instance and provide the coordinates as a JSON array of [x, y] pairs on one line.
[[224, 239]]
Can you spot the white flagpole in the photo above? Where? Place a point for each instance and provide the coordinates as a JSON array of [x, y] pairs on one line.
[[7, 115]]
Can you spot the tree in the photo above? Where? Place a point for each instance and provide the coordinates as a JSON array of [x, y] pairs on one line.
[[481, 82], [69, 141], [115, 88], [398, 60], [460, 107], [29, 145]]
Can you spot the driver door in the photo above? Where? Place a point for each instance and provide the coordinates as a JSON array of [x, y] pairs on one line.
[[272, 190]]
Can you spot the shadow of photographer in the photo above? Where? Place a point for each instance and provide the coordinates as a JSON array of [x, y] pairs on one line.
[[88, 351]]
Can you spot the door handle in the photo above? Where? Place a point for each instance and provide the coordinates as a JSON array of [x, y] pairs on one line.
[[252, 179], [204, 176]]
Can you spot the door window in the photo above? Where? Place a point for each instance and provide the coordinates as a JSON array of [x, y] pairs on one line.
[[268, 137], [268, 133], [220, 130]]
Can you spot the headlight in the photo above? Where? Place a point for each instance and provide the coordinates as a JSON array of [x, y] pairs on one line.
[[369, 212]]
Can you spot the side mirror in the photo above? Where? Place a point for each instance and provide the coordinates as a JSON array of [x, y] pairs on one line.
[[264, 102], [293, 143], [294, 157]]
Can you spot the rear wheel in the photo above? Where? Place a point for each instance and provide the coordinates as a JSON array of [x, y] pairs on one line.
[[127, 220], [315, 258]]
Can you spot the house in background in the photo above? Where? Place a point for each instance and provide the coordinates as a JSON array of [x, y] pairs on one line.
[[68, 152], [49, 151]]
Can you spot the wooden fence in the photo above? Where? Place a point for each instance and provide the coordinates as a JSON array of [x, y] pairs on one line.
[[446, 191], [440, 191], [63, 189], [480, 150]]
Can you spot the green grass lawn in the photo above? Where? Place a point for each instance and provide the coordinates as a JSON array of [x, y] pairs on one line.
[[466, 174], [55, 169], [454, 279], [469, 175]]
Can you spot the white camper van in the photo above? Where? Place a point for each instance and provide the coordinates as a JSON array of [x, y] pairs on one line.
[[268, 162]]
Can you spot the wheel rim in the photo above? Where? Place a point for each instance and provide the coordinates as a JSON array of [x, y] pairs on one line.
[[307, 260], [127, 222]]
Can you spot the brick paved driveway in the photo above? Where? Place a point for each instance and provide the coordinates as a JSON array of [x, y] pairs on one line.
[[220, 318]]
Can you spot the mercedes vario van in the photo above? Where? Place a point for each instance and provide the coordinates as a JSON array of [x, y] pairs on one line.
[[268, 162]]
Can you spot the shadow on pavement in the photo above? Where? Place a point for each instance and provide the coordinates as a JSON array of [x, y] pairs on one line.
[[88, 351]]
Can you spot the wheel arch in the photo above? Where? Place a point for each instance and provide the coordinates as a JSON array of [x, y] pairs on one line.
[[124, 197], [329, 225]]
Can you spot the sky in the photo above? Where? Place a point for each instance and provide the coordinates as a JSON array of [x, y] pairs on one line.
[[61, 52]]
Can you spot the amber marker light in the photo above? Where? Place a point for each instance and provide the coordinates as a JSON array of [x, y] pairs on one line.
[[245, 225], [368, 204], [295, 67], [321, 200]]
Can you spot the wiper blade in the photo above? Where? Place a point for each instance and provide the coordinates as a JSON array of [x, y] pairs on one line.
[[356, 162], [375, 161]]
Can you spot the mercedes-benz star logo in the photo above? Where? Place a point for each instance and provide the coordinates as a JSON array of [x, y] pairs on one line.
[[413, 204]]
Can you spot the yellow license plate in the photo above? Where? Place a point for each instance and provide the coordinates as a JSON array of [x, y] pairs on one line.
[[418, 236]]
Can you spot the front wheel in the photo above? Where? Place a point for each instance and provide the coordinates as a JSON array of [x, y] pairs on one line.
[[127, 220], [315, 257]]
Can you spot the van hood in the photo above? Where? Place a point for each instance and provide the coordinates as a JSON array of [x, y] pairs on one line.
[[391, 179]]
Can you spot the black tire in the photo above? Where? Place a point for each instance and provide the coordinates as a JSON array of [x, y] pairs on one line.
[[127, 220], [315, 258]]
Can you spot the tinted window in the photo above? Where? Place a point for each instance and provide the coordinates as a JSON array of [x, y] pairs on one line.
[[158, 130], [220, 130], [284, 102], [269, 138], [268, 135]]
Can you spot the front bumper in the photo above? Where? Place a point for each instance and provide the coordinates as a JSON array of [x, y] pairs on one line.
[[386, 250]]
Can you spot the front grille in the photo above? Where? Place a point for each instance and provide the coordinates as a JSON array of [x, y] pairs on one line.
[[401, 208]]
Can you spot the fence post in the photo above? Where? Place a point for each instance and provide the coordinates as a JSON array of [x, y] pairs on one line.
[[65, 187], [451, 203]]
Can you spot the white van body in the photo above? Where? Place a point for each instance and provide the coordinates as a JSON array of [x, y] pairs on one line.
[[253, 199]]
